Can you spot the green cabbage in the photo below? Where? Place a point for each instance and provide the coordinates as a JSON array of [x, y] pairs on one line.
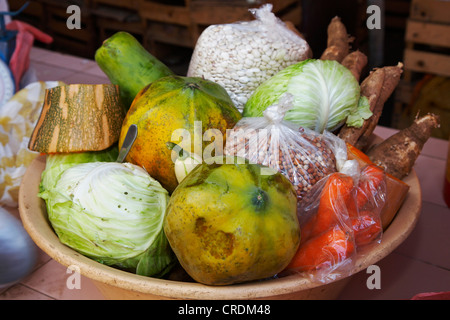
[[326, 95], [58, 162], [108, 211]]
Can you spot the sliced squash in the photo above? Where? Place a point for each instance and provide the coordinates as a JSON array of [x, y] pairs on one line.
[[77, 118]]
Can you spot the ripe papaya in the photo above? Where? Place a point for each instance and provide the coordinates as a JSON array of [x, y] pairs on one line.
[[129, 65], [179, 110], [229, 222]]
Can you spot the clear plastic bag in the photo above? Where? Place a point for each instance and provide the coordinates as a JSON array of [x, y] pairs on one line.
[[339, 202], [241, 55], [339, 219], [369, 198], [302, 155]]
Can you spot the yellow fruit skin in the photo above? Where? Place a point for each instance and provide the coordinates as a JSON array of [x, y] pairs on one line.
[[221, 235], [172, 103]]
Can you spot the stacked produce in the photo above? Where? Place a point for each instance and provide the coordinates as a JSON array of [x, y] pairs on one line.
[[326, 95], [340, 217], [283, 187], [111, 212], [302, 155]]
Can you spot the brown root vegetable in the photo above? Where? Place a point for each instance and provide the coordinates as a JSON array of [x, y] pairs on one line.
[[373, 83], [351, 134], [338, 41], [391, 79], [377, 87], [371, 88], [355, 62], [398, 153]]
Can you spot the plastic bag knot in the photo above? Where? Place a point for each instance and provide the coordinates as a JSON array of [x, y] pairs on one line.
[[276, 112]]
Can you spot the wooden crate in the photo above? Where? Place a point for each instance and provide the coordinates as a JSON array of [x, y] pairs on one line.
[[111, 16], [81, 42], [428, 38], [33, 13], [166, 24], [396, 13], [50, 16], [427, 53], [205, 12], [181, 22]]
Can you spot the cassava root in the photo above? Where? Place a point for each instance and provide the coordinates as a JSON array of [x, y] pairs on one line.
[[398, 153], [377, 87], [338, 41], [355, 62]]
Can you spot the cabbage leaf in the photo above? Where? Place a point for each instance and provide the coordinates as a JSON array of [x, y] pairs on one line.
[[56, 163]]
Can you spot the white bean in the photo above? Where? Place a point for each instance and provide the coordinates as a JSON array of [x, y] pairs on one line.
[[240, 56]]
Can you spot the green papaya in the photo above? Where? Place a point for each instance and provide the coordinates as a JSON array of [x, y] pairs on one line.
[[129, 65]]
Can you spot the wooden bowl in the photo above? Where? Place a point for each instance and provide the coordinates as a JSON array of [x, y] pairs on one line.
[[117, 284]]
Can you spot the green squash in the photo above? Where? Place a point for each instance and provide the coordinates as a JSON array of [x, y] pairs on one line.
[[129, 65]]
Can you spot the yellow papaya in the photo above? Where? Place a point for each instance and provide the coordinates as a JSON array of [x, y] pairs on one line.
[[230, 222], [180, 110]]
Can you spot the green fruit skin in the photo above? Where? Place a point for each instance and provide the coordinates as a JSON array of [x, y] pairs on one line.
[[228, 224], [129, 65]]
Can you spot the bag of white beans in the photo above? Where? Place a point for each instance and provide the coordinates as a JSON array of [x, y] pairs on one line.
[[240, 56]]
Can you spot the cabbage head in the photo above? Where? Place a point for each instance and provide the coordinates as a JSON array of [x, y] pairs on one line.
[[326, 95], [108, 211], [57, 163]]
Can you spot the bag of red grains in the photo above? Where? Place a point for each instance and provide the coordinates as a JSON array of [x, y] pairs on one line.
[[302, 155]]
